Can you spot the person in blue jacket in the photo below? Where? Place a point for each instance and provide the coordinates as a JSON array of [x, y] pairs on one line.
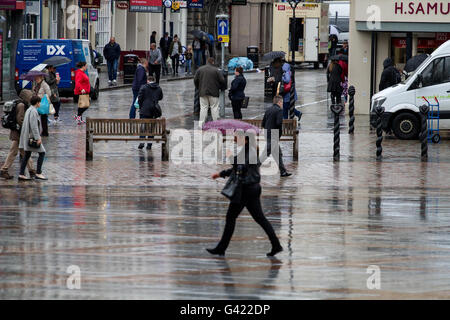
[[140, 79], [287, 96]]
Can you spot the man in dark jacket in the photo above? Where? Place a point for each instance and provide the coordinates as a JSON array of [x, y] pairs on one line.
[[390, 76], [148, 98], [140, 79], [273, 120], [111, 52], [14, 136], [209, 80], [164, 46]]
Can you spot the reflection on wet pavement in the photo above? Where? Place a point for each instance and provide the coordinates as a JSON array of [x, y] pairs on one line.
[[137, 227]]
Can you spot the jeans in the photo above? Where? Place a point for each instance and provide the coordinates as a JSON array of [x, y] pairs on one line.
[[112, 69], [198, 57], [27, 157], [188, 66], [251, 200], [286, 107], [175, 63], [132, 108]]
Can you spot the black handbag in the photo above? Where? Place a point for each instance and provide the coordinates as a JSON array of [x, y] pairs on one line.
[[33, 143], [245, 102], [233, 188]]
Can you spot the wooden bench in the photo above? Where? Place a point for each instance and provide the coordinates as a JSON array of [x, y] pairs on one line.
[[290, 132], [126, 130]]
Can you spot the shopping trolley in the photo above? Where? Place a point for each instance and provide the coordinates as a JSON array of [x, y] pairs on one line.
[[433, 121]]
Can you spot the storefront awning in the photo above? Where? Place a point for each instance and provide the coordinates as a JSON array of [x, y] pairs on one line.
[[403, 27]]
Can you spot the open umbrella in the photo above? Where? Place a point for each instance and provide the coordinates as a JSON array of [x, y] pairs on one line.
[[273, 55], [202, 35], [31, 75], [57, 61], [341, 57], [413, 63], [229, 125]]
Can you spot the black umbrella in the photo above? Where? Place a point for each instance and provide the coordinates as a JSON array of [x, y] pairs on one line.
[[202, 35], [341, 57], [274, 55], [57, 61], [413, 63]]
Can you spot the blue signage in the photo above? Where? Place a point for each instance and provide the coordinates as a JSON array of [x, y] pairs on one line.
[[222, 27], [195, 4]]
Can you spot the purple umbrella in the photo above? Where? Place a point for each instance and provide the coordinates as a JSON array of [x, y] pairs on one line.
[[31, 75], [229, 125]]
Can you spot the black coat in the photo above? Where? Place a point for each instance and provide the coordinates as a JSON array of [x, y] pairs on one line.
[[237, 88], [111, 51], [273, 119], [148, 97], [249, 170], [334, 79], [164, 45], [390, 75]]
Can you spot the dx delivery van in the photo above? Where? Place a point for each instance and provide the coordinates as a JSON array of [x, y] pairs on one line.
[[31, 53], [430, 82]]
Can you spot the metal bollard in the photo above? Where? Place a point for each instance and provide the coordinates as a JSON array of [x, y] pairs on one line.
[[292, 102], [424, 131], [196, 102], [336, 109], [379, 111], [351, 109]]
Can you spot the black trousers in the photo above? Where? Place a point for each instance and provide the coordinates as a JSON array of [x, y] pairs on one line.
[[44, 124], [27, 157], [57, 106], [237, 105], [251, 200], [336, 97], [175, 63], [81, 111], [155, 70]]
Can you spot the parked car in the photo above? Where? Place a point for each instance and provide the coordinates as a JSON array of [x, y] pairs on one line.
[[31, 53]]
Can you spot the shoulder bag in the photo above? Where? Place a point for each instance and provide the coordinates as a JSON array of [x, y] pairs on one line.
[[233, 188], [245, 102]]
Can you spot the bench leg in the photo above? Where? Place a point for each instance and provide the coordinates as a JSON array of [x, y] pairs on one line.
[[164, 151], [296, 149], [89, 147]]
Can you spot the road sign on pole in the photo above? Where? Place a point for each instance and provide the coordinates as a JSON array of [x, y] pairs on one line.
[[223, 30]]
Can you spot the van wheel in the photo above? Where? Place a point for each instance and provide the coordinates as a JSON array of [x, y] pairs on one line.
[[75, 98], [96, 92], [406, 126]]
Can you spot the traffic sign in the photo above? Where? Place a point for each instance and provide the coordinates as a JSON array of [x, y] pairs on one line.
[[225, 39], [222, 27]]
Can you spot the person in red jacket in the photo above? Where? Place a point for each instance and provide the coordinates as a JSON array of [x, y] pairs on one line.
[[82, 86], [344, 75]]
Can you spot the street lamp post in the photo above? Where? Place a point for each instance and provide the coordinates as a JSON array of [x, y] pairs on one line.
[[293, 4]]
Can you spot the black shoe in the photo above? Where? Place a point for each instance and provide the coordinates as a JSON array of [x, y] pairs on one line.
[[275, 251], [216, 252], [149, 146], [285, 174], [141, 146]]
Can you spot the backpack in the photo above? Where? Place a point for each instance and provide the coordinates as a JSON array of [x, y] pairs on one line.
[[9, 119]]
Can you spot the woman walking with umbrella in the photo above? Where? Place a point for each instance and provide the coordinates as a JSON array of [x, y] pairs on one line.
[[243, 188]]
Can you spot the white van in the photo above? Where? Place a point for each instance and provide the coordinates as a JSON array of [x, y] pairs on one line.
[[430, 81]]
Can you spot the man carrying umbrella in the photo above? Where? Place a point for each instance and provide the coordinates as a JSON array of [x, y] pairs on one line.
[[52, 79]]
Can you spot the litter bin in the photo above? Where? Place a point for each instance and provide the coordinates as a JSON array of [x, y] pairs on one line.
[[253, 54], [130, 62]]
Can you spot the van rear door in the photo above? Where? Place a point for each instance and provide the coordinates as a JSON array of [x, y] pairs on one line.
[[311, 39]]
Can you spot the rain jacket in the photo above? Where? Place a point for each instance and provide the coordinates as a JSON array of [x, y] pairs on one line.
[[148, 97], [111, 51], [81, 82], [286, 79], [334, 78], [273, 119], [390, 75], [140, 77], [208, 80]]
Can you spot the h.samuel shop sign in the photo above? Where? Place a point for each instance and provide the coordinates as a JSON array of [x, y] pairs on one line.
[[403, 11]]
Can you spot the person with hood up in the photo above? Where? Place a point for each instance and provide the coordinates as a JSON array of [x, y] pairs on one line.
[[287, 95], [148, 98], [390, 76], [140, 79]]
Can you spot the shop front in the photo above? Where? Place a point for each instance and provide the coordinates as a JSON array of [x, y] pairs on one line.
[[396, 29]]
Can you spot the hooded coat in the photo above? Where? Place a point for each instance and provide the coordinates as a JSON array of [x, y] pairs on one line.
[[390, 75], [334, 78]]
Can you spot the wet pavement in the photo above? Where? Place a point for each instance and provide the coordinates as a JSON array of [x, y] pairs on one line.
[[137, 227]]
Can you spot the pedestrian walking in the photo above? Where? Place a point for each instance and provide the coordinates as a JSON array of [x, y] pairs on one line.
[[197, 45], [30, 139], [155, 59], [41, 89], [334, 73], [209, 80], [289, 84], [149, 96], [21, 105], [246, 178], [236, 92], [275, 75], [332, 44], [52, 80], [273, 120], [111, 52], [390, 76], [153, 37], [164, 45], [175, 51], [188, 55], [140, 79], [344, 75], [82, 89]]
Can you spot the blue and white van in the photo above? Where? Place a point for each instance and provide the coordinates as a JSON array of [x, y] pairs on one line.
[[32, 52]]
